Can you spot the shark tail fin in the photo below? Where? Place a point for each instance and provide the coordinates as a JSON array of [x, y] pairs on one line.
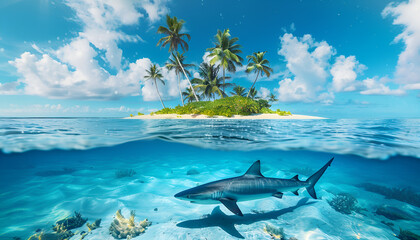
[[312, 180]]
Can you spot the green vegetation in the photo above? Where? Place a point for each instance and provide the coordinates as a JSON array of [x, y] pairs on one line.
[[225, 52], [227, 107], [174, 37], [178, 66], [210, 83], [154, 73], [257, 63], [140, 114]]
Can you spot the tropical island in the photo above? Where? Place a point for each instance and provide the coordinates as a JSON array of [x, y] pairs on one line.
[[206, 94]]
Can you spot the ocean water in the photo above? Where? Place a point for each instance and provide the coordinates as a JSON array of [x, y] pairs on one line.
[[51, 167]]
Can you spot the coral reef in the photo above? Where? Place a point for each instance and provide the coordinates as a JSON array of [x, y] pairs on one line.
[[52, 236], [401, 194], [126, 228], [407, 235], [94, 225], [193, 172], [122, 173], [91, 227], [274, 232], [69, 223], [393, 213], [344, 203], [62, 229]]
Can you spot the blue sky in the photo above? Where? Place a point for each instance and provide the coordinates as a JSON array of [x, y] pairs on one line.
[[340, 59]]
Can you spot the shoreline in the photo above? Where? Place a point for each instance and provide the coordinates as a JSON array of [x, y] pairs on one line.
[[201, 116]]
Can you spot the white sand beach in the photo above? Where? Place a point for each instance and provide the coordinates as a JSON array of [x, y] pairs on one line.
[[200, 116]]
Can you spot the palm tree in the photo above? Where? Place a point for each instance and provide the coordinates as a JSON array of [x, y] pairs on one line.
[[153, 74], [238, 91], [252, 93], [226, 52], [173, 65], [272, 98], [188, 95], [175, 38], [257, 63], [209, 84]]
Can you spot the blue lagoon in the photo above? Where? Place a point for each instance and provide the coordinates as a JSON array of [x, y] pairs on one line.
[[53, 167]]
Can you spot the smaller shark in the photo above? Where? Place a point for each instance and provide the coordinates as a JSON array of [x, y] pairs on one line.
[[250, 186]]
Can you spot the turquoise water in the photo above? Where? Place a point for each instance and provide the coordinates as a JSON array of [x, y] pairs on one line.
[[50, 168]]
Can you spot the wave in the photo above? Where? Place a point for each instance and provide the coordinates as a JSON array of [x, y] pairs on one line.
[[367, 138]]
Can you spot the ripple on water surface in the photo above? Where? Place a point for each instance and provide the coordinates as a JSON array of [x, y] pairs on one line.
[[367, 138]]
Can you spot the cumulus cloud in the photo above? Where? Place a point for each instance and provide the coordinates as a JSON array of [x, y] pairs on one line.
[[408, 67], [373, 86], [59, 109], [9, 88], [307, 60], [263, 93], [344, 73], [72, 71]]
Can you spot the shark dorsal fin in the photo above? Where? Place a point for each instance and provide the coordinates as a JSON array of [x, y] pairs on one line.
[[295, 178], [254, 170]]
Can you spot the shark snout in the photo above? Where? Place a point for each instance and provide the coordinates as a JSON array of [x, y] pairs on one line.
[[182, 194]]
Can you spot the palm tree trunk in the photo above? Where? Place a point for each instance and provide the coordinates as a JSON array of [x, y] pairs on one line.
[[157, 90], [179, 88], [196, 98], [253, 84], [223, 79]]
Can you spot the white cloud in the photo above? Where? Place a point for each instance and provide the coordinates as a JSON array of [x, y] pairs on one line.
[[101, 20], [59, 109], [307, 61], [156, 9], [407, 15], [344, 73], [72, 71], [42, 109], [263, 93], [9, 88], [373, 86]]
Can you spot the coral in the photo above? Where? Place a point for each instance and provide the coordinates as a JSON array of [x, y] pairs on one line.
[[274, 232], [52, 236], [407, 235], [94, 225], [401, 194], [126, 228], [193, 172], [344, 203], [69, 223], [122, 173], [393, 213]]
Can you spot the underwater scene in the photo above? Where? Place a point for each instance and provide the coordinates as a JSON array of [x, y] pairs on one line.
[[108, 178]]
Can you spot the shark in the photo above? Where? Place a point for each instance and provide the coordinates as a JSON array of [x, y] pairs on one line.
[[250, 186]]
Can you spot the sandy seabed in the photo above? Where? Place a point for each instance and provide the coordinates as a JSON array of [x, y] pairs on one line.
[[200, 116]]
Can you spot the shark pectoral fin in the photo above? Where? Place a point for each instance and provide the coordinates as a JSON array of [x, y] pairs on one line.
[[296, 193], [231, 205], [278, 195]]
